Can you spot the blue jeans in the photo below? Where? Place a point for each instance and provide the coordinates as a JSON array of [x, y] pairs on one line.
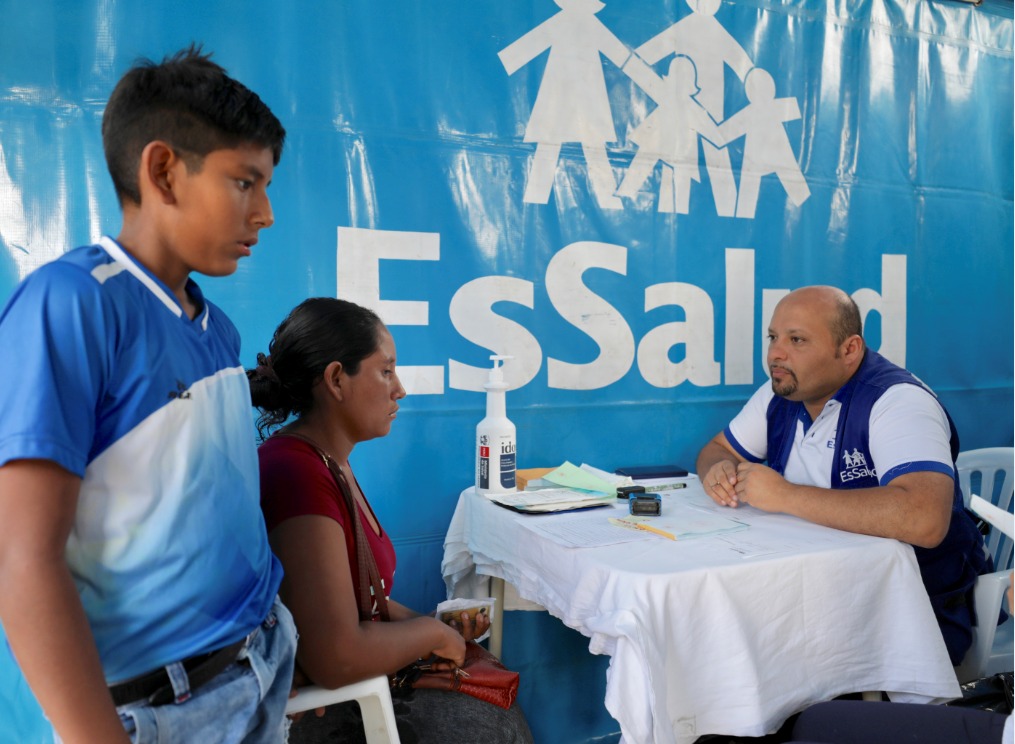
[[861, 722], [244, 703]]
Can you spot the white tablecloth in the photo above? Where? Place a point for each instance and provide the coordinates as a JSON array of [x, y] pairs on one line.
[[726, 634]]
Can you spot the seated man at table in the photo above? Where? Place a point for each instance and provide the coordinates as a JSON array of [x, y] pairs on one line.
[[853, 442]]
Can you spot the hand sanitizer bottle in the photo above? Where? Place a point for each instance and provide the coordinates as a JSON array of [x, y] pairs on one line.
[[495, 438]]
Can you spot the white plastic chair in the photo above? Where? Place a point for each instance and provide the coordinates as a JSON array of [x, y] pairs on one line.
[[373, 696], [989, 473]]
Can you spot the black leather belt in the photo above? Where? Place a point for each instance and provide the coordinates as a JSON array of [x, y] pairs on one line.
[[156, 686]]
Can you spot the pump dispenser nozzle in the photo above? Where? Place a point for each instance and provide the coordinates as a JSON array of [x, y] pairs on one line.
[[495, 381]]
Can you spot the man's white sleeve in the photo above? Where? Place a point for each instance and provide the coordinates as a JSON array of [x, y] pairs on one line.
[[748, 431], [909, 433]]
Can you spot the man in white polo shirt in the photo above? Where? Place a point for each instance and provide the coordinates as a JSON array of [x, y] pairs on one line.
[[853, 442]]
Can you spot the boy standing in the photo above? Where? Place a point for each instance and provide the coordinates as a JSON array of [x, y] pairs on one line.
[[136, 574]]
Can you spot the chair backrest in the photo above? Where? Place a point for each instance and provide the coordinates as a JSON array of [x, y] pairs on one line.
[[990, 474]]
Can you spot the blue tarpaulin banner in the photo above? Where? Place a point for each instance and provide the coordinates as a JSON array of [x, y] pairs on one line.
[[613, 194]]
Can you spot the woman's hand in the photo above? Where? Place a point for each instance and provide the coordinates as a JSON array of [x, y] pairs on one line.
[[451, 644], [471, 628]]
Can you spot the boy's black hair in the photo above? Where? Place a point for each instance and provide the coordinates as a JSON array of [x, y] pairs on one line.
[[189, 102]]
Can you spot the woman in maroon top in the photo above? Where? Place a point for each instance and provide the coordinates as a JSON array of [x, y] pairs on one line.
[[331, 371]]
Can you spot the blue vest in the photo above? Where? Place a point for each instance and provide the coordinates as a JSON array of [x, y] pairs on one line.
[[948, 570]]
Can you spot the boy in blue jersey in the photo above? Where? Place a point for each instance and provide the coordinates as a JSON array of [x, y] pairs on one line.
[[139, 594]]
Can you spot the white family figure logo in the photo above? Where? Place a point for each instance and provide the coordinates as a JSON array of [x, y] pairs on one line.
[[670, 133], [766, 147], [702, 38], [572, 105], [854, 460]]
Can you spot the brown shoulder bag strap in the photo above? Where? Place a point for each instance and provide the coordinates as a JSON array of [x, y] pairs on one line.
[[371, 587]]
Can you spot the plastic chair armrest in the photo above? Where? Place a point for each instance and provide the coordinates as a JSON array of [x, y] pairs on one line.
[[312, 696]]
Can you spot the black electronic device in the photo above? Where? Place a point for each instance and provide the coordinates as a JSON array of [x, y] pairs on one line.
[[645, 504], [624, 492]]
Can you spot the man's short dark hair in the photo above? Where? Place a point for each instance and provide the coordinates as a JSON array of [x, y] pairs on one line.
[[189, 102], [847, 320]]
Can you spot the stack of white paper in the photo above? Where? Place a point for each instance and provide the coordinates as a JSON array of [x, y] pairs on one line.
[[550, 500]]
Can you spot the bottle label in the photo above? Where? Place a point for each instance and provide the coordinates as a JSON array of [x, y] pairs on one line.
[[507, 471], [495, 463], [507, 465], [483, 479]]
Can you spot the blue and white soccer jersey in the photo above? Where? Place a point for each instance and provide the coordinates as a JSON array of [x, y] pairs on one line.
[[109, 378], [908, 432]]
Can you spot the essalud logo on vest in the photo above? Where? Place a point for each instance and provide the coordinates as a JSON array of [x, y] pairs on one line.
[[572, 106], [856, 466]]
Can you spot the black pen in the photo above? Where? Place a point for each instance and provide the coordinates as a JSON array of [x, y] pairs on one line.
[[665, 487]]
